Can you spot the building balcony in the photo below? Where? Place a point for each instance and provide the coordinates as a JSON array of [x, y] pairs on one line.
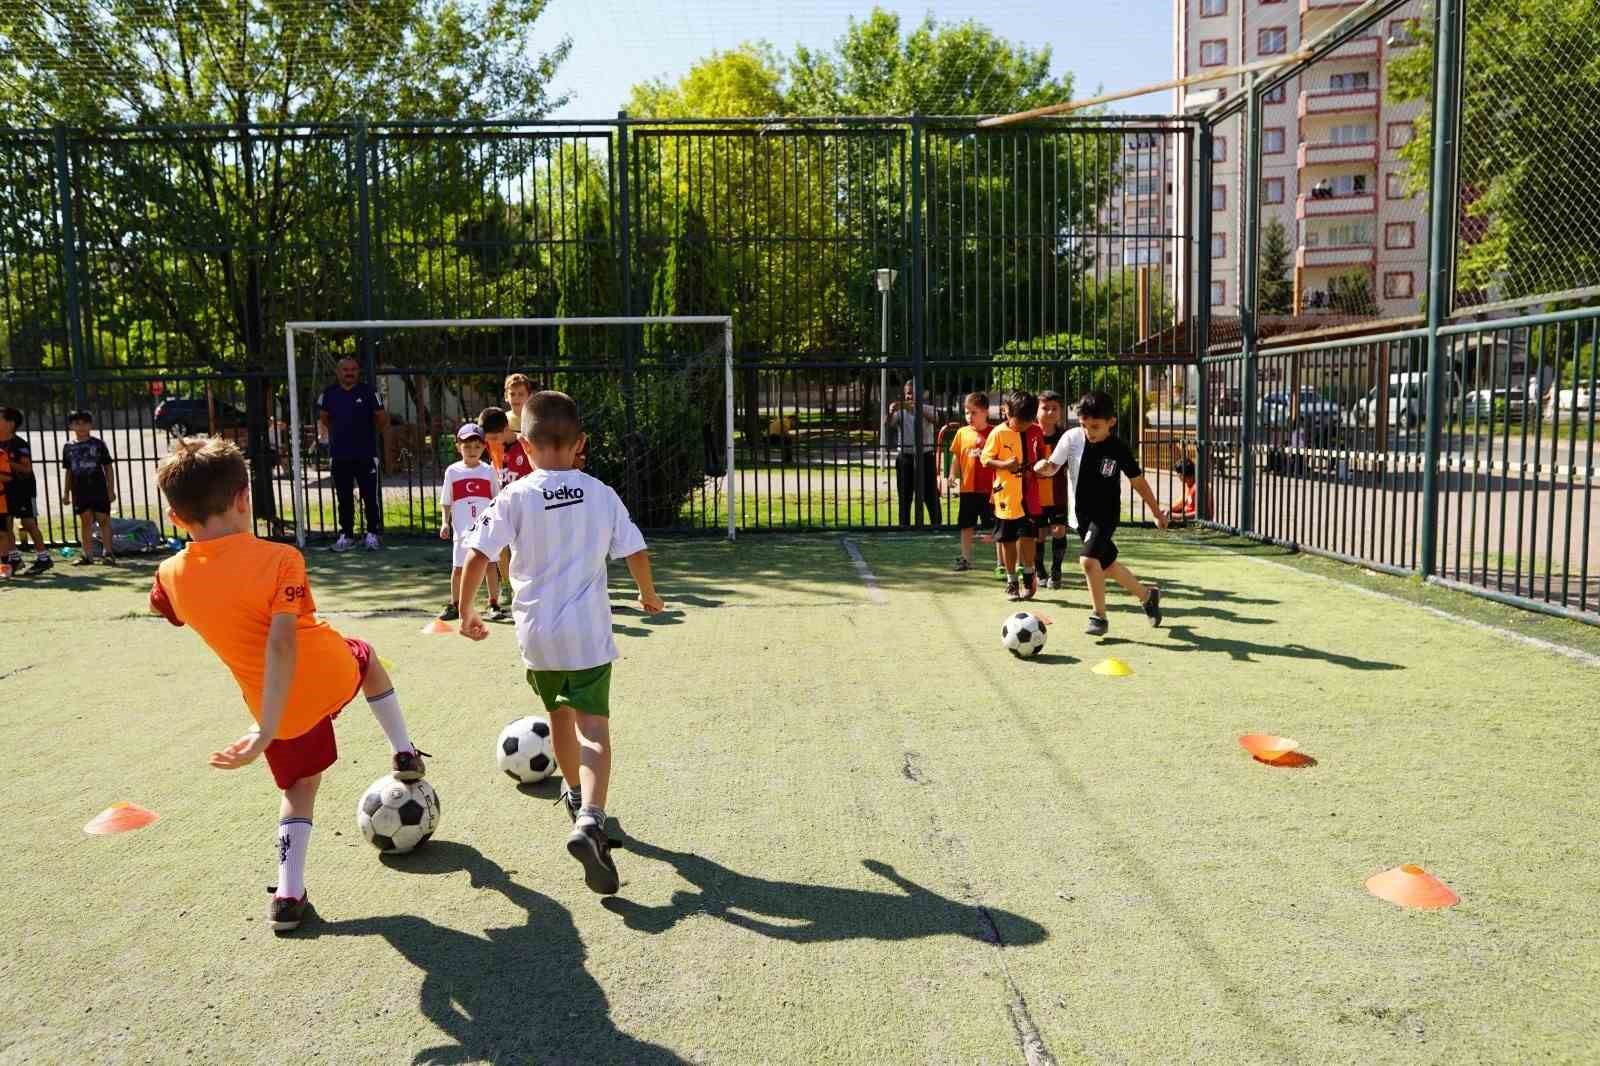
[[1357, 48], [1335, 256], [1308, 206], [1316, 154], [1308, 6], [1338, 102]]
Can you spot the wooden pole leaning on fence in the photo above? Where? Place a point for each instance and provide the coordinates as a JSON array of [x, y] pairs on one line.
[[1175, 83]]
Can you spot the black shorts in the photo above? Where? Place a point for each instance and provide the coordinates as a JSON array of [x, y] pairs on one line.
[[1050, 516], [1098, 543], [977, 511], [91, 504], [1011, 530], [21, 503]]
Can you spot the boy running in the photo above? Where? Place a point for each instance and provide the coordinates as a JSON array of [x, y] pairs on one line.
[[1054, 513], [91, 485], [974, 481], [561, 525], [20, 492], [1008, 453], [1094, 461], [468, 489], [251, 603]]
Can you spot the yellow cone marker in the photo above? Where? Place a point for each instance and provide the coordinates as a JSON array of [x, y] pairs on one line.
[[1113, 668], [387, 665]]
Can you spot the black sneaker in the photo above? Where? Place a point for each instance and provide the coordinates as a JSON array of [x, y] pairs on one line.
[[1013, 591], [285, 915], [572, 802], [1097, 627], [83, 560], [40, 565], [1030, 585], [109, 560], [1152, 606], [449, 614], [590, 846], [497, 613], [408, 765], [962, 565]]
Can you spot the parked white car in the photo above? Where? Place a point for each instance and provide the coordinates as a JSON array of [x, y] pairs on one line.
[[1408, 401]]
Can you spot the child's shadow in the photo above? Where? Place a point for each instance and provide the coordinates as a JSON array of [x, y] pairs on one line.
[[514, 994], [808, 914]]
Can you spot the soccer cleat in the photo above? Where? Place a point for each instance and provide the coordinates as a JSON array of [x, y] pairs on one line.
[[285, 915], [108, 560], [590, 846], [83, 560], [1052, 583], [1030, 585], [408, 765], [497, 613], [1000, 572], [962, 565], [449, 614], [372, 543], [1013, 592], [1152, 606], [1097, 627], [572, 802], [40, 565]]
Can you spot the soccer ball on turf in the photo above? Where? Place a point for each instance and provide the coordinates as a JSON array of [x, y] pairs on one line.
[[1022, 635], [398, 816], [524, 752]]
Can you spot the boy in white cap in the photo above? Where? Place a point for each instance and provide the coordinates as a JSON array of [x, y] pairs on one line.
[[468, 490]]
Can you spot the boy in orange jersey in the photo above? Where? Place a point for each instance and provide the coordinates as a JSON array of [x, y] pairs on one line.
[[250, 602], [974, 481]]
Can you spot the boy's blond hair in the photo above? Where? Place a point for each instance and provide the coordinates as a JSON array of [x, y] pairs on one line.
[[517, 379], [201, 477]]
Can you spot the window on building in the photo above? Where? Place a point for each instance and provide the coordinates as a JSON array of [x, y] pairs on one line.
[[1352, 133], [1272, 141], [1115, 216], [1213, 8], [1400, 134], [1272, 41], [1219, 293], [1399, 285], [1276, 95], [1348, 184], [1219, 246], [1400, 235], [1272, 191], [1214, 53], [1400, 33], [1344, 83], [1116, 259], [1219, 149], [1347, 234], [1395, 186], [1219, 197]]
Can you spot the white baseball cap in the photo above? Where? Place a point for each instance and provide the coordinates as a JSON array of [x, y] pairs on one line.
[[469, 431]]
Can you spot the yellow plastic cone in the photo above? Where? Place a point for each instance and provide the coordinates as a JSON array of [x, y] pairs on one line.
[[119, 818], [387, 665], [1113, 668], [436, 627], [1412, 886]]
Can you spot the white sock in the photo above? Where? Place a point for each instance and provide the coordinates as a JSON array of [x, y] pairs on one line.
[[386, 709], [294, 836]]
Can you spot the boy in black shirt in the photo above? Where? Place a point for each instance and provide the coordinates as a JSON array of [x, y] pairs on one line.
[[20, 493], [1095, 461], [91, 484]]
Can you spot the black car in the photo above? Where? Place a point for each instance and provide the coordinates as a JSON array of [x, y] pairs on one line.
[[181, 417]]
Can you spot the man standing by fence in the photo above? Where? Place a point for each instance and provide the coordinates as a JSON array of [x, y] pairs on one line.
[[353, 418], [914, 462]]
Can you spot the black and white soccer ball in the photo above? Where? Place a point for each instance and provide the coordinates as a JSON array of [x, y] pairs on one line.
[[398, 816], [524, 751], [1023, 635]]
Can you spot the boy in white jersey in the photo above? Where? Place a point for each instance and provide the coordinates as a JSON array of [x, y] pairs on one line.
[[562, 525], [468, 489]]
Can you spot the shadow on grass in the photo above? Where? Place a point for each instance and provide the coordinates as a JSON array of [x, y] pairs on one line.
[[514, 994], [811, 914], [1241, 651]]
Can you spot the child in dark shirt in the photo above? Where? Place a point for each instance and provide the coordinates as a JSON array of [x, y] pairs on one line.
[[91, 485]]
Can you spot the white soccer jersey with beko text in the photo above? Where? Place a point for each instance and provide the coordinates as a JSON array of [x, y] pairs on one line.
[[561, 527], [467, 491]]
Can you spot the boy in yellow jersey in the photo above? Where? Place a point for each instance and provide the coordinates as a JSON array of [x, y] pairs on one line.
[[1008, 452], [251, 603]]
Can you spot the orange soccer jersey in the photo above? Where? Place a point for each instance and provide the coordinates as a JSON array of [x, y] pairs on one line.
[[5, 468], [228, 590]]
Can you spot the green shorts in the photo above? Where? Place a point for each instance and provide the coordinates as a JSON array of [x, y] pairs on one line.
[[588, 691]]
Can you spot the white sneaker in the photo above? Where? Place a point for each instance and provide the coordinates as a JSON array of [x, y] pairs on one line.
[[343, 544], [373, 544]]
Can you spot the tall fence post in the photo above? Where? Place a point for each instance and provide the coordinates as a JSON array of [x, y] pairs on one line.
[[69, 271], [1249, 253], [1449, 38], [1201, 318], [364, 248], [630, 333], [914, 309]]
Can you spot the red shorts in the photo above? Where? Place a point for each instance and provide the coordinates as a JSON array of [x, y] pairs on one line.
[[314, 751]]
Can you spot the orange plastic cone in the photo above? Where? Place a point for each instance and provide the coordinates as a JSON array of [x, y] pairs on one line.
[[436, 627], [1412, 886], [119, 818], [1267, 747]]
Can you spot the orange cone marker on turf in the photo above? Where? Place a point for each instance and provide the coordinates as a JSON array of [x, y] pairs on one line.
[[436, 627], [1412, 886], [1266, 747], [1113, 668], [119, 818]]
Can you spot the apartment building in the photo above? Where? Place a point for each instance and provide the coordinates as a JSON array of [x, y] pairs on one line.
[[1331, 167]]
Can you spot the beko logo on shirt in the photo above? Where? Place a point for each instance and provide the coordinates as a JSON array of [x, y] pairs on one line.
[[565, 496]]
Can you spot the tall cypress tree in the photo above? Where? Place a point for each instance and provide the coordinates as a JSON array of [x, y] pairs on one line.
[[589, 288], [1277, 287]]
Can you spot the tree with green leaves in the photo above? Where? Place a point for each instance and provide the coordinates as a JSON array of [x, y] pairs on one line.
[[1350, 293], [1275, 287], [1529, 153]]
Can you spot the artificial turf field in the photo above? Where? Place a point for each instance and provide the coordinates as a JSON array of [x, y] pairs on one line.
[[856, 829]]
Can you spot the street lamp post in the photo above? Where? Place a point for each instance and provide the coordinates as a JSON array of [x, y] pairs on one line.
[[885, 279]]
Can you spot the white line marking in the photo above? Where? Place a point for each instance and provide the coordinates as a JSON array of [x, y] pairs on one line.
[[874, 593]]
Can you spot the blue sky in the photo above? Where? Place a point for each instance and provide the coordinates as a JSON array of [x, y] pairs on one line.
[[1112, 43]]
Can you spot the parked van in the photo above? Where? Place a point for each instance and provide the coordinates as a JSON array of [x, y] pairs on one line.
[[1408, 401]]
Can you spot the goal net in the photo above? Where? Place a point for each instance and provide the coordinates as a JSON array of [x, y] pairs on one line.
[[655, 394]]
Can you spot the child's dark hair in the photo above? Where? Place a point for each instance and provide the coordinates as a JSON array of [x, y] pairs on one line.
[[980, 399], [74, 417], [1096, 404], [492, 420], [550, 419], [1185, 468], [1050, 396], [1023, 405], [12, 415], [202, 477]]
